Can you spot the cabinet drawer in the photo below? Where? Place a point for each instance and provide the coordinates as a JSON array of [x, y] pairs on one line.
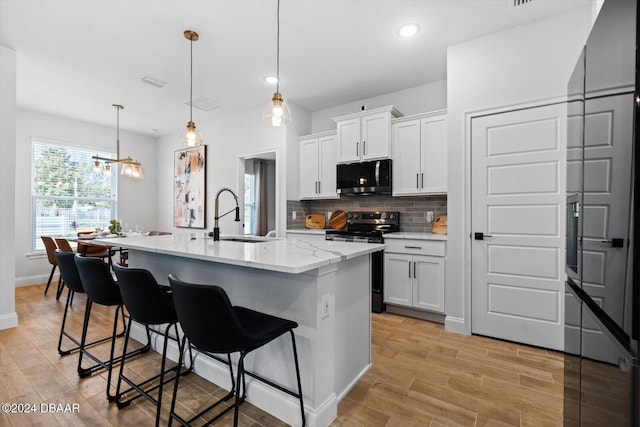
[[417, 247]]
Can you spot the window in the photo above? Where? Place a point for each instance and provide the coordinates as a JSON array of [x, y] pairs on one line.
[[67, 196], [249, 203]]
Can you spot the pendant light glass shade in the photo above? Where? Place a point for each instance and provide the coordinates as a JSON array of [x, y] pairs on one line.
[[191, 136], [277, 112]]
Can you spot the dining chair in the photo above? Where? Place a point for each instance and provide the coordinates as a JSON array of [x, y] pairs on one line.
[[50, 246], [64, 245]]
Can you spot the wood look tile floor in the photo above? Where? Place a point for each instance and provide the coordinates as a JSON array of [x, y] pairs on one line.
[[421, 376]]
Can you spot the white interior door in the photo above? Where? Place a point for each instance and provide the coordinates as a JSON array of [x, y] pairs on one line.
[[518, 201]]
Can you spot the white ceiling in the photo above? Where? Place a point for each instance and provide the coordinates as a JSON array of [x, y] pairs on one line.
[[77, 57]]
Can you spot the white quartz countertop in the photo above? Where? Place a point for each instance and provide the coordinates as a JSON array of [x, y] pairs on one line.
[[284, 255]]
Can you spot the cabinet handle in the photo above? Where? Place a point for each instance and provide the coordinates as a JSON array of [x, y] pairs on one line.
[[319, 187], [364, 148], [409, 268], [357, 152], [413, 247], [417, 180], [422, 180], [414, 269]]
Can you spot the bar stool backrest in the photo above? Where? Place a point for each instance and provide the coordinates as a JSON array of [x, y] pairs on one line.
[[68, 270], [97, 280], [143, 297], [207, 317]]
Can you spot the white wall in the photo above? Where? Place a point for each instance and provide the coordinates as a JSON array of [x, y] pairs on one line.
[[8, 316], [229, 140], [137, 201], [414, 100], [526, 64]]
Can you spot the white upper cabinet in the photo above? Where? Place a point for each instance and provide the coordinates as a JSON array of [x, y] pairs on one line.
[[365, 135], [318, 155], [419, 154]]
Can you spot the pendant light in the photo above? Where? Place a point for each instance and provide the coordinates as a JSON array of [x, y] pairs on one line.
[[191, 135], [277, 111], [130, 168]]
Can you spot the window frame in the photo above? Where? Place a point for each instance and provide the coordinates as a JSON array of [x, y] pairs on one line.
[[36, 243]]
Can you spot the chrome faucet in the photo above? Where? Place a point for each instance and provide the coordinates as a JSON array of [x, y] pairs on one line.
[[216, 228]]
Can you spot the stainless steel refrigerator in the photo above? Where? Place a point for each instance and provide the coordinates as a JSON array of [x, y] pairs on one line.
[[602, 294]]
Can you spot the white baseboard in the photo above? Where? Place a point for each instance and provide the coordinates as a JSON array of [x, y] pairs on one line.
[[9, 320], [454, 324], [36, 280], [267, 398]]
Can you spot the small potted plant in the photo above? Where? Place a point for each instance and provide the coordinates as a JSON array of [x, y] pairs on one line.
[[114, 227]]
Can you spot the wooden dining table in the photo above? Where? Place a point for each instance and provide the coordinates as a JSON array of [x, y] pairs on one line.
[[91, 241]]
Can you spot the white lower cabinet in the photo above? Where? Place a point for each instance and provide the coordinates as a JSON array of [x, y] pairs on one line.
[[412, 280]]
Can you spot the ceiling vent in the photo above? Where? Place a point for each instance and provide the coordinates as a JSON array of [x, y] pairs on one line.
[[521, 2], [153, 82], [204, 104]]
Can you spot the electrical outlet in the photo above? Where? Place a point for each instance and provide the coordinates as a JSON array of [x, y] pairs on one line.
[[429, 217], [324, 308], [293, 215]]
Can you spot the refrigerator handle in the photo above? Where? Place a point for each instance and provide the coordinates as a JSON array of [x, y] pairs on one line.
[[615, 242]]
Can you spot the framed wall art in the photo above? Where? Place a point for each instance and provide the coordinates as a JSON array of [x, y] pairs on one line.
[[189, 191]]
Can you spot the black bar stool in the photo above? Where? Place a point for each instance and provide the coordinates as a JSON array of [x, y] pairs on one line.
[[100, 288], [71, 278], [150, 304], [214, 326]]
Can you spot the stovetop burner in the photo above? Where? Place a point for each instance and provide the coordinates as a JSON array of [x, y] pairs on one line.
[[366, 227]]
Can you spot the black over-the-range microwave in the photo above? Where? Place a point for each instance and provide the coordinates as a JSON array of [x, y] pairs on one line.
[[358, 179]]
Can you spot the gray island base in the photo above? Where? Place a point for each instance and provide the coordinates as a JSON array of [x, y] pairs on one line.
[[289, 278]]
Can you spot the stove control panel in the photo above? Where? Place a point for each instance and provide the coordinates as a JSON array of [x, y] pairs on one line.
[[377, 217]]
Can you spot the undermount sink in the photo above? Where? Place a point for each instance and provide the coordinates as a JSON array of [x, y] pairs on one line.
[[247, 239]]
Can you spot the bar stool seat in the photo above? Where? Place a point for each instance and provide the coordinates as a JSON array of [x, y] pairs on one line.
[[100, 288], [150, 304], [214, 326]]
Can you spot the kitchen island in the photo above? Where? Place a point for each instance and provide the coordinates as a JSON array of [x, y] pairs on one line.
[[323, 286]]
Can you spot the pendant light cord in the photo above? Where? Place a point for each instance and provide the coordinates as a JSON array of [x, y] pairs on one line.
[[191, 85], [278, 49], [117, 131]]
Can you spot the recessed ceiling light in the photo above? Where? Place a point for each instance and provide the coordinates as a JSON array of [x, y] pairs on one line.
[[271, 80], [408, 30]]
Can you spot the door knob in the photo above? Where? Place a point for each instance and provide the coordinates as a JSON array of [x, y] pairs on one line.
[[481, 236]]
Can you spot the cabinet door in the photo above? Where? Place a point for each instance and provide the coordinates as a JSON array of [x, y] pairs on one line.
[[406, 157], [398, 270], [434, 155], [328, 148], [349, 148], [376, 136], [428, 284], [308, 168]]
